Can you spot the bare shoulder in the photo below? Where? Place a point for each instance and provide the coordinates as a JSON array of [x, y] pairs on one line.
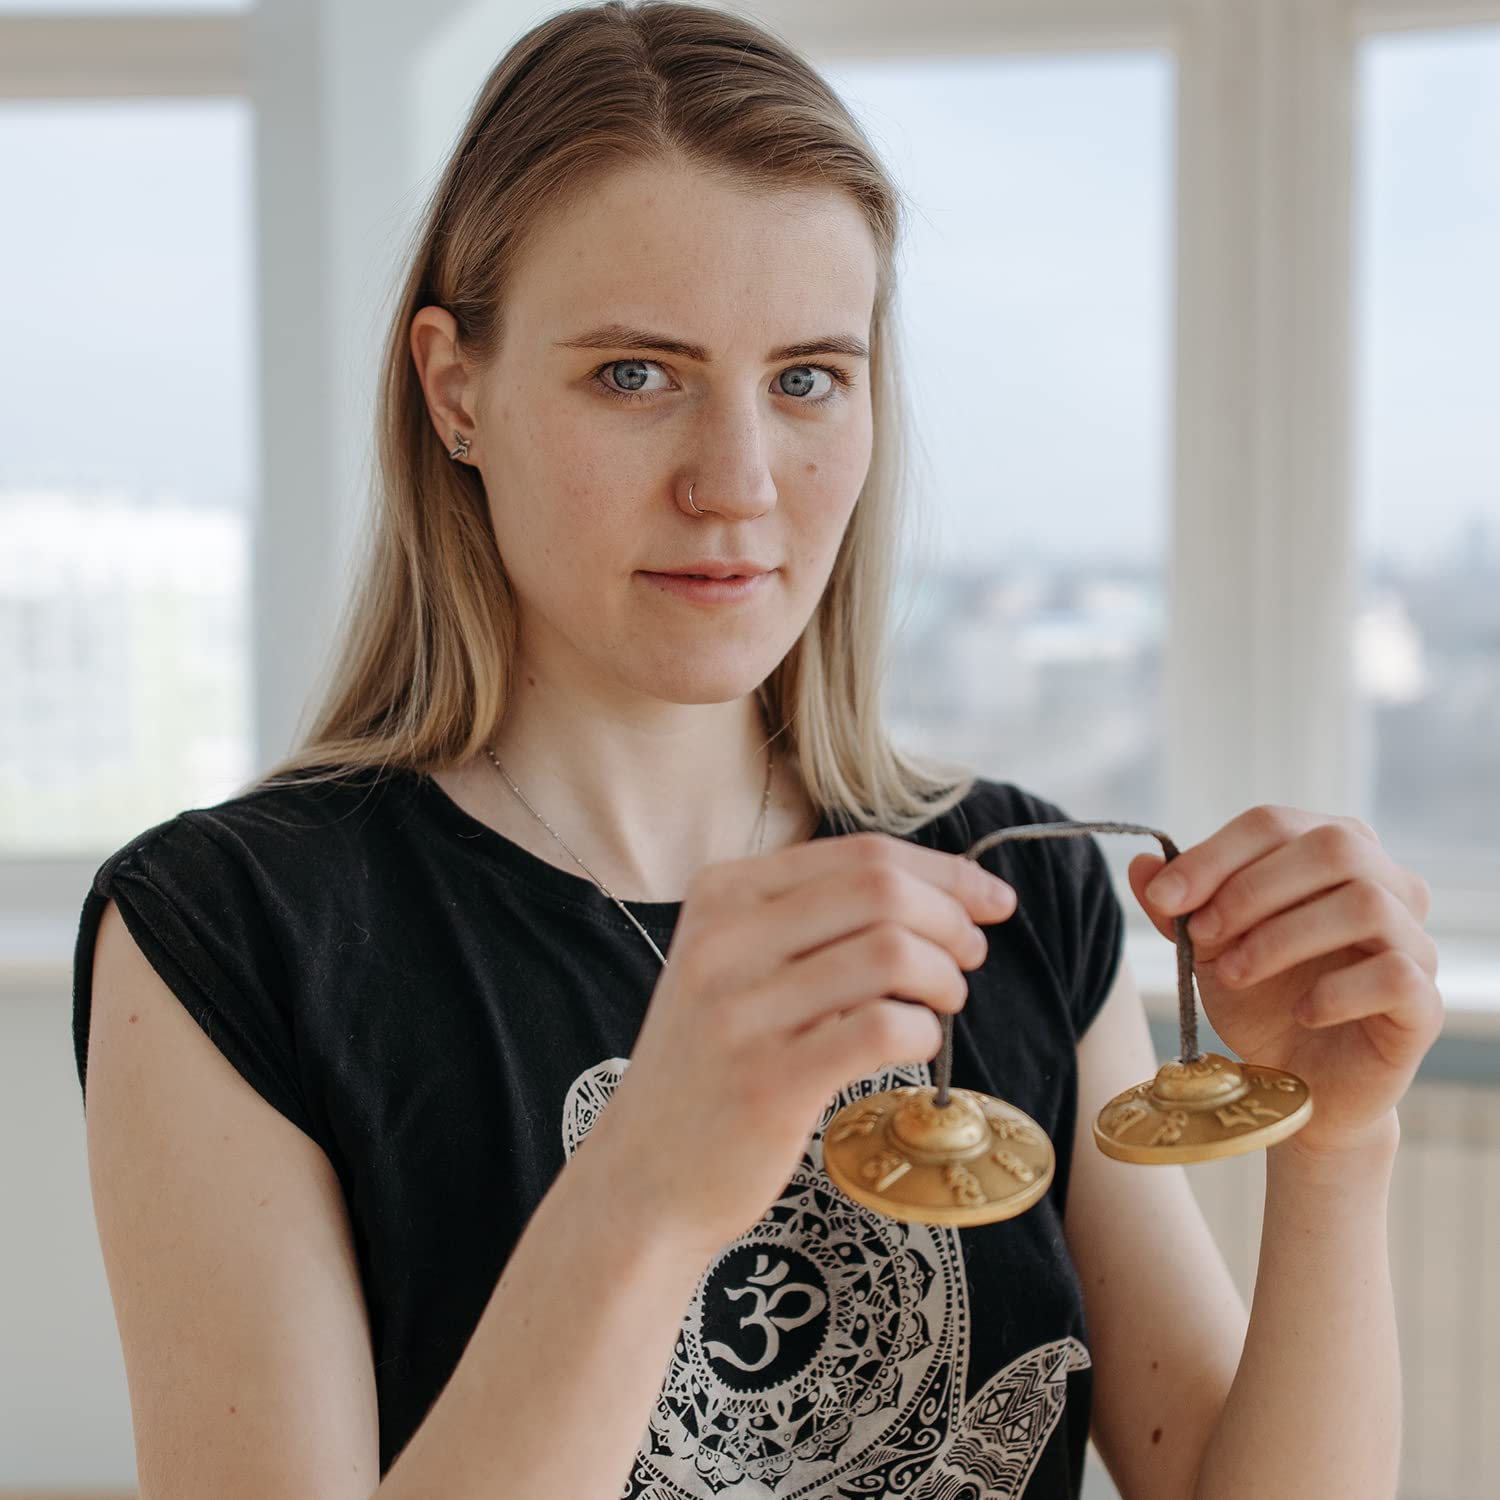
[[229, 1258]]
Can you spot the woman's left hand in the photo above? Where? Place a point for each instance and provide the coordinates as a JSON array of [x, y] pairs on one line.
[[1338, 972]]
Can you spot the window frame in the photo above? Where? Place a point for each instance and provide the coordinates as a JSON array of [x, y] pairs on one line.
[[1261, 562]]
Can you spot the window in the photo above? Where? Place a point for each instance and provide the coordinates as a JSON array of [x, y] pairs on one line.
[[1428, 447], [1035, 299], [65, 8], [126, 467]]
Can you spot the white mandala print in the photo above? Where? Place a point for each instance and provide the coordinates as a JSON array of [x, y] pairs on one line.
[[825, 1352]]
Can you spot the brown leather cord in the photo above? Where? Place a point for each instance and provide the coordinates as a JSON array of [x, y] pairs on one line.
[[1187, 1012]]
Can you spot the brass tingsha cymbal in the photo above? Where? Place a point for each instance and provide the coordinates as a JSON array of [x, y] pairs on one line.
[[1202, 1110], [940, 1155], [971, 1162]]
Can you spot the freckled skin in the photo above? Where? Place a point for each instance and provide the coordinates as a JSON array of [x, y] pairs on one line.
[[584, 492]]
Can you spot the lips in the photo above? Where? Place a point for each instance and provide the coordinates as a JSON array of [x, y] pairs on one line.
[[739, 567], [710, 590]]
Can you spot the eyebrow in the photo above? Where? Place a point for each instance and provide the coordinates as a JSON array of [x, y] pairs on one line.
[[622, 336]]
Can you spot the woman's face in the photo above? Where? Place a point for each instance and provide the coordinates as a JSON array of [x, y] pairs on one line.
[[587, 452]]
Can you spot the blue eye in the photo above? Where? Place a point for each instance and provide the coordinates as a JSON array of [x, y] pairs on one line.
[[842, 381]]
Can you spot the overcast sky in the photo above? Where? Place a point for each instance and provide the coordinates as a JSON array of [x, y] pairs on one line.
[[1037, 305]]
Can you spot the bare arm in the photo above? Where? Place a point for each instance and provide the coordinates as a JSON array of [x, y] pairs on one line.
[[229, 1256], [242, 1320], [558, 1381], [1315, 1408], [1193, 1396]]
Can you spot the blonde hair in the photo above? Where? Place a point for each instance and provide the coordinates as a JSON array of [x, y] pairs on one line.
[[426, 645]]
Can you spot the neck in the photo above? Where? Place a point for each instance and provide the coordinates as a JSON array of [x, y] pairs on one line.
[[644, 798]]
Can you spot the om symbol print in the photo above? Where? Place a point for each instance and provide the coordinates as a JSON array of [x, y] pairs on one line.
[[763, 1314]]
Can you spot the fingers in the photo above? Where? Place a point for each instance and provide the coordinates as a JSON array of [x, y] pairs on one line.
[[1391, 986], [866, 924], [1268, 859], [875, 1034], [844, 902], [1198, 872], [919, 935], [764, 877], [1359, 911], [1141, 871], [887, 960]]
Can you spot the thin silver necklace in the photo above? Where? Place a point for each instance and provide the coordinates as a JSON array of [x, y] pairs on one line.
[[759, 844]]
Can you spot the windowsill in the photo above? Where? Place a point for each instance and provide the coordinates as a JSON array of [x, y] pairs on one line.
[[36, 954], [1468, 980]]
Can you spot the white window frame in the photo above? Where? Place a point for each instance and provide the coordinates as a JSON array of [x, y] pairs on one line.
[[1260, 700]]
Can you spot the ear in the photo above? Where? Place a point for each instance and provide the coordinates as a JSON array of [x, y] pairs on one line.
[[446, 381]]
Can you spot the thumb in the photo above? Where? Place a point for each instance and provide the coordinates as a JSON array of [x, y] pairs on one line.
[[1142, 870]]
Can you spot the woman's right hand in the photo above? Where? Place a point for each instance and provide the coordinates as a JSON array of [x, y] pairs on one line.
[[777, 993]]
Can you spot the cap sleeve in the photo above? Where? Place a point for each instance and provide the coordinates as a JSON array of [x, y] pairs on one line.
[[198, 918]]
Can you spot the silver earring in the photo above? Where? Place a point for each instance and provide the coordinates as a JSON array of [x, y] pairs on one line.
[[690, 499], [462, 450]]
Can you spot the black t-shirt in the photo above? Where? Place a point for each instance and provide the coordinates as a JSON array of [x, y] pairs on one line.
[[445, 1014]]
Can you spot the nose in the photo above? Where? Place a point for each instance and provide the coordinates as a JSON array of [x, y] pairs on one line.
[[728, 469]]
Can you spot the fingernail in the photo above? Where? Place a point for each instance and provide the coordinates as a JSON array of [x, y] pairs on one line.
[[1166, 891]]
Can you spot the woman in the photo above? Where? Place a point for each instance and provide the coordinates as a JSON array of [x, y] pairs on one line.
[[453, 1188]]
